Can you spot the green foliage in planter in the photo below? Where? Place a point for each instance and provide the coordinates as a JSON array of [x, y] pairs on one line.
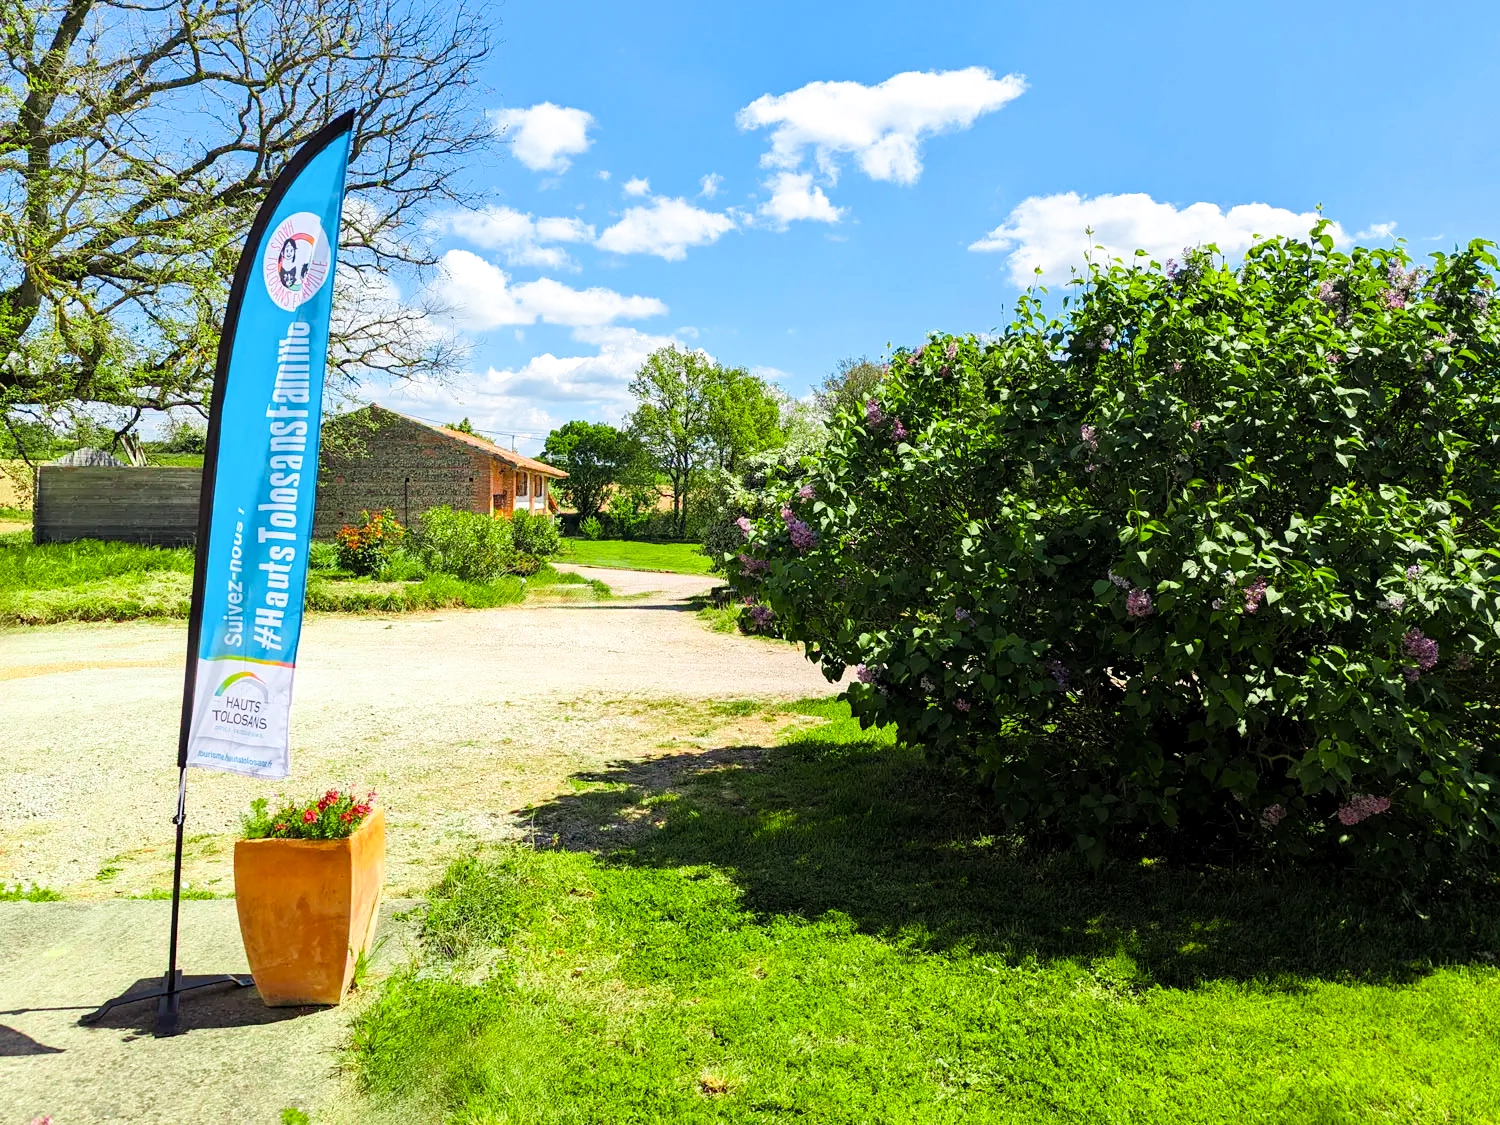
[[1212, 556], [333, 816]]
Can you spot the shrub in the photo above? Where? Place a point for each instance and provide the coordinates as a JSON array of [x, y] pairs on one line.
[[367, 548], [1216, 552], [631, 509], [535, 534], [591, 528], [322, 555], [467, 545]]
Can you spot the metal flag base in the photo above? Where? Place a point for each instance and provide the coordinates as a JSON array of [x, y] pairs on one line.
[[167, 996]]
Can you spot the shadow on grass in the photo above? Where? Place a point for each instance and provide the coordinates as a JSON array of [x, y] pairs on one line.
[[835, 821]]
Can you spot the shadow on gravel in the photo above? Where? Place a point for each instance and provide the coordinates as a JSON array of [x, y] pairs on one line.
[[908, 852], [14, 1043]]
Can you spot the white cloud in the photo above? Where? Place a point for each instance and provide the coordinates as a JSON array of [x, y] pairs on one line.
[[666, 228], [882, 126], [637, 186], [603, 173], [542, 393], [1050, 231], [711, 184], [545, 135], [1378, 231], [478, 296], [794, 196], [518, 235]]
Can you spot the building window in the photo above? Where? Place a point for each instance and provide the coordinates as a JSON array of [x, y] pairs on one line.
[[521, 481]]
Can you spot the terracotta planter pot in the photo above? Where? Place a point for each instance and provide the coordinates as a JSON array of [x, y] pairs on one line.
[[307, 909]]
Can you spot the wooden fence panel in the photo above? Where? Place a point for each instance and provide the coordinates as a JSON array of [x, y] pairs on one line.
[[158, 506]]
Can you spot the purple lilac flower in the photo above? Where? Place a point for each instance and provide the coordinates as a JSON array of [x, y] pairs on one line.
[[1090, 436], [1463, 661], [805, 492], [873, 414], [1254, 594], [962, 704], [1117, 581], [961, 614], [761, 615], [1272, 815], [1481, 303], [745, 526], [754, 567], [1175, 366], [1091, 467], [1413, 572], [1394, 299], [802, 535], [1217, 603], [1335, 358], [898, 431], [1058, 671], [1328, 293], [926, 684], [1138, 603], [1195, 425], [917, 355], [1421, 648], [864, 675], [1362, 807], [1393, 603], [951, 351], [1172, 267], [885, 368]]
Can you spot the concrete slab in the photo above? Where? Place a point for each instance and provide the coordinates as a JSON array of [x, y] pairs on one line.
[[237, 1061]]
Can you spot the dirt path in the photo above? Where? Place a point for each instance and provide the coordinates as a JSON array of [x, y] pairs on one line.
[[460, 718]]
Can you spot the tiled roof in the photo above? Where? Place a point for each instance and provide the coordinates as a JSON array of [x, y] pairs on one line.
[[485, 445]]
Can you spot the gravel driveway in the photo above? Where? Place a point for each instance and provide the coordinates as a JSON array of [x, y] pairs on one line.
[[461, 718]]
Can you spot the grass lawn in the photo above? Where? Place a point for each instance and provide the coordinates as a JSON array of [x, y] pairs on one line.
[[834, 931], [631, 554], [99, 581]]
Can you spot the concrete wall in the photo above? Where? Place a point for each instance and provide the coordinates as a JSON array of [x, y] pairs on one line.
[[158, 506]]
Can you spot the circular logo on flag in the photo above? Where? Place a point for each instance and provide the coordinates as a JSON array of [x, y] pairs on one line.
[[296, 262]]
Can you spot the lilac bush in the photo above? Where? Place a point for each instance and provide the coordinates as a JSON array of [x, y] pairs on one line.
[[1215, 553]]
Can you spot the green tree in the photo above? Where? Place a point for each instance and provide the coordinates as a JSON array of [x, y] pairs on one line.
[[596, 456], [674, 391], [852, 384], [744, 416]]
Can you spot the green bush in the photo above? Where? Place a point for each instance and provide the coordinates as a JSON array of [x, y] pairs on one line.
[[535, 534], [591, 528], [466, 545], [1213, 557], [367, 548]]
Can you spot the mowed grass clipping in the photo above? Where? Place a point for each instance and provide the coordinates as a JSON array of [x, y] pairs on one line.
[[832, 932], [630, 554], [101, 581]]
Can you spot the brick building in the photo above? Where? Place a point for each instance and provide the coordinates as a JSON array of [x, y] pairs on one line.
[[380, 459]]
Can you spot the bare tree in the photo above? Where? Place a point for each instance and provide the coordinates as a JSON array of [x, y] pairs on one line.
[[137, 139]]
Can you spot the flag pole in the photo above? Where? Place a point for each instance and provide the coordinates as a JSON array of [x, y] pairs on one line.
[[168, 995]]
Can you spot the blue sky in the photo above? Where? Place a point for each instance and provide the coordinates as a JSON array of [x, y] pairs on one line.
[[877, 171]]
